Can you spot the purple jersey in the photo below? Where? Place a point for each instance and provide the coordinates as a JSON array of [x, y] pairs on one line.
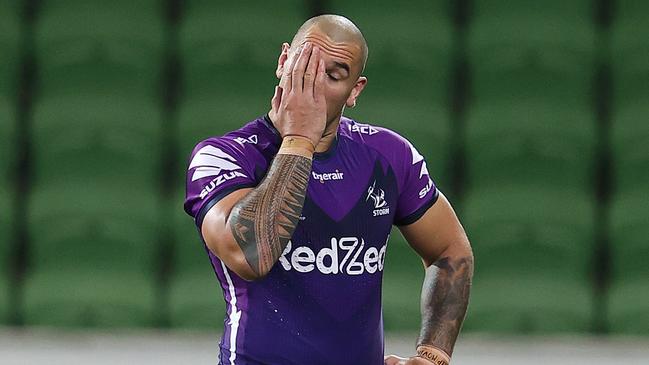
[[321, 302]]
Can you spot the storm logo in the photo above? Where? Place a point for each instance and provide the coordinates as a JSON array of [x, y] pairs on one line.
[[378, 200], [212, 161]]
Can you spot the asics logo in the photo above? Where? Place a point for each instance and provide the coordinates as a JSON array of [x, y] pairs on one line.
[[363, 129], [252, 140], [346, 255]]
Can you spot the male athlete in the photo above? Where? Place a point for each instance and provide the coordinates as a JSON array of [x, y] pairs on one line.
[[296, 209]]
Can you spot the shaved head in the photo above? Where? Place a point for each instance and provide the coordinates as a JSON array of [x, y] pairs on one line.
[[338, 29]]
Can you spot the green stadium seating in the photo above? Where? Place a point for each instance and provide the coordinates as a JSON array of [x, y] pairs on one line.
[[9, 61], [629, 289], [7, 138], [530, 116], [420, 29], [10, 37], [5, 249], [630, 146], [91, 256], [125, 32], [629, 28], [97, 117], [217, 102], [229, 75], [91, 140], [195, 296], [562, 24], [533, 248], [531, 142], [629, 134], [214, 33]]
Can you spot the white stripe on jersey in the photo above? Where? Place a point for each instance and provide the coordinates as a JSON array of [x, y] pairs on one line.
[[235, 315], [210, 161]]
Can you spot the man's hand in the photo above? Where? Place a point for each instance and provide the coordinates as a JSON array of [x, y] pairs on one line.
[[395, 360], [299, 101]]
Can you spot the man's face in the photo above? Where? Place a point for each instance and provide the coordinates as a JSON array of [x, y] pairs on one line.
[[343, 63]]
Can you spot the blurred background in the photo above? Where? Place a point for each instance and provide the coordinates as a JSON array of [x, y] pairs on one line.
[[532, 115]]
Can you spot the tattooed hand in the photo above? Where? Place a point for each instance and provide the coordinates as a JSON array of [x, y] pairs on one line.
[[299, 105]]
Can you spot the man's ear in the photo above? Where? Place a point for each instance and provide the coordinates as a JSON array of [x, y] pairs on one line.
[[356, 91], [282, 60]]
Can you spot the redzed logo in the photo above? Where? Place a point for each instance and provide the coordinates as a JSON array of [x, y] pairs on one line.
[[346, 255]]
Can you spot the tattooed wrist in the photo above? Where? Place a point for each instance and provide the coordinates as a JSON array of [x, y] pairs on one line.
[[263, 222]]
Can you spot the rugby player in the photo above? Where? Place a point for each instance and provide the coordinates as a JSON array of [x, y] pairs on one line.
[[296, 207]]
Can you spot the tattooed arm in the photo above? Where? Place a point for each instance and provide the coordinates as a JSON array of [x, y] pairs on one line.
[[262, 223], [249, 229], [440, 240]]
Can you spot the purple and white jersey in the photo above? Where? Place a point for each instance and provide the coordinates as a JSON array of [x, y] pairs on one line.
[[321, 302]]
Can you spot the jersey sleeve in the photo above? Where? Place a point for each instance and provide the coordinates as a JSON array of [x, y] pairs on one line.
[[417, 190], [217, 167]]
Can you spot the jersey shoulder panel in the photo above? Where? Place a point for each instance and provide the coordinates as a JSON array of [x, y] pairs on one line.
[[219, 165], [386, 142], [417, 191]]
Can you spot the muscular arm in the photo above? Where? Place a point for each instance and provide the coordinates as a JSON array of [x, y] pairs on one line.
[[438, 237], [264, 220], [249, 229]]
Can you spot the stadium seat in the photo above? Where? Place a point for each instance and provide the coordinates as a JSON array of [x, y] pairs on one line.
[[629, 132], [629, 289], [214, 33], [9, 71], [229, 75], [91, 256], [5, 247], [630, 25], [630, 146], [97, 117], [88, 140], [10, 37], [195, 296], [219, 101], [562, 24], [7, 139], [531, 142], [126, 32], [420, 29], [534, 251], [530, 116]]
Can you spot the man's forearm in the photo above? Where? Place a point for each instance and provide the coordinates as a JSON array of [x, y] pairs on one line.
[[262, 223], [444, 301]]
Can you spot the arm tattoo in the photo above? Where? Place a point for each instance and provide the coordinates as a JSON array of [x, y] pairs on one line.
[[263, 222], [444, 300]]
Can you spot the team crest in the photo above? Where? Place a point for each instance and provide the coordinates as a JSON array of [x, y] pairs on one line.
[[377, 196]]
